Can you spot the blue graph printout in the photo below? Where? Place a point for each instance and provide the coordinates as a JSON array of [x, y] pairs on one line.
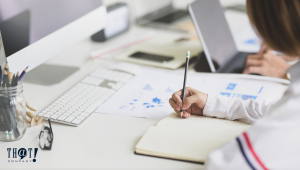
[[147, 95], [233, 94], [147, 98]]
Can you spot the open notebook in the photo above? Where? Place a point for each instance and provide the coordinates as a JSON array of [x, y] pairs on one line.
[[189, 139]]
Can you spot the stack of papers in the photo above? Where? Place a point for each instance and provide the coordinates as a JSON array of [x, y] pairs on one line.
[[147, 94]]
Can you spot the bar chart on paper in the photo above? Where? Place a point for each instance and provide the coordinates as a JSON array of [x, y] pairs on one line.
[[149, 99], [230, 92], [244, 89], [146, 96]]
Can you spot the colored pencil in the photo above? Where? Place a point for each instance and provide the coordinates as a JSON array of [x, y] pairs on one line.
[[23, 73]]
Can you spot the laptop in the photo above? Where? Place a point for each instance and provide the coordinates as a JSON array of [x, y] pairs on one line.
[[217, 41]]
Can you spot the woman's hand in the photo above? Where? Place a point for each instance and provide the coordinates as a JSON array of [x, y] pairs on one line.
[[266, 64], [194, 102]]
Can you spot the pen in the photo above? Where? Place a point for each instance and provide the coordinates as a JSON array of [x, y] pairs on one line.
[[23, 73], [184, 81]]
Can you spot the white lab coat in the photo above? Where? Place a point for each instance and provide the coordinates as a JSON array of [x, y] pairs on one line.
[[273, 142]]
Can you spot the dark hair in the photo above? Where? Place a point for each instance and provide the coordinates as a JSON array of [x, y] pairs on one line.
[[278, 23]]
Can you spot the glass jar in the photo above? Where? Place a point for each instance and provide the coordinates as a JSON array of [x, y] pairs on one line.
[[12, 113]]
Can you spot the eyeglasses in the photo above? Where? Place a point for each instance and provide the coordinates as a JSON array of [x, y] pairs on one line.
[[46, 137]]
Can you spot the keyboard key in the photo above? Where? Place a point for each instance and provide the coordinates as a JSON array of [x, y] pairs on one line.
[[62, 103], [59, 105], [85, 104], [44, 111], [54, 116], [61, 118], [52, 105], [71, 103], [74, 114], [66, 107], [91, 100], [83, 107], [69, 111], [89, 103], [80, 117], [58, 101], [76, 121], [84, 114], [46, 115], [69, 119], [62, 110], [41, 114], [78, 112], [94, 106], [50, 113], [59, 113], [75, 107], [79, 102], [53, 110], [66, 114]]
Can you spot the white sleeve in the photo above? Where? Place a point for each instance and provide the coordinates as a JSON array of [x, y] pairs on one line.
[[271, 143], [228, 157], [236, 108]]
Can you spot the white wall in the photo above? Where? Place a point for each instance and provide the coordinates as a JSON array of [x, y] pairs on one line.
[[139, 8]]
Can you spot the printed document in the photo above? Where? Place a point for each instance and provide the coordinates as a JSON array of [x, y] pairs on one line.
[[147, 94]]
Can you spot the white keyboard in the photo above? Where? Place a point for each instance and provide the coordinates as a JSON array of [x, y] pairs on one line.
[[77, 104]]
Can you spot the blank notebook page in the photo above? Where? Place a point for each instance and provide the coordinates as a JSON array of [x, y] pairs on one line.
[[190, 139], [202, 124], [181, 145]]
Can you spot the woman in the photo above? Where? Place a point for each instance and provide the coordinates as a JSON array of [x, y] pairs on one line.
[[274, 141]]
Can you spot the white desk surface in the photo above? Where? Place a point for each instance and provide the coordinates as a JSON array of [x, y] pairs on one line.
[[104, 141]]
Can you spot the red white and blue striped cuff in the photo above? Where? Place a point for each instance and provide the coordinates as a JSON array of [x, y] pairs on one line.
[[249, 153]]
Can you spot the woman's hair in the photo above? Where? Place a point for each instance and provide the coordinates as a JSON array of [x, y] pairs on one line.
[[278, 23]]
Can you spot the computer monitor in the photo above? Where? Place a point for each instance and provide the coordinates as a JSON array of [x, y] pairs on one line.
[[33, 31]]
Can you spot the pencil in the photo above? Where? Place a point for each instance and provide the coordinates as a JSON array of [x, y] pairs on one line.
[[0, 76], [17, 79], [23, 73], [13, 80], [10, 77], [6, 67], [5, 79], [184, 81], [11, 111]]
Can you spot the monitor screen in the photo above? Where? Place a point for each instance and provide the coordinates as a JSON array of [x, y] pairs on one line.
[[23, 22]]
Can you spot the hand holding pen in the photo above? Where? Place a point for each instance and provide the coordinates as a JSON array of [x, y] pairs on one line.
[[194, 102], [187, 101]]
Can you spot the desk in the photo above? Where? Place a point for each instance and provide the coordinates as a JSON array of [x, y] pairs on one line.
[[103, 141]]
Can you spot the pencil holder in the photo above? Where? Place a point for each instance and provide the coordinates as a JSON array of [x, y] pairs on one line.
[[12, 113]]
